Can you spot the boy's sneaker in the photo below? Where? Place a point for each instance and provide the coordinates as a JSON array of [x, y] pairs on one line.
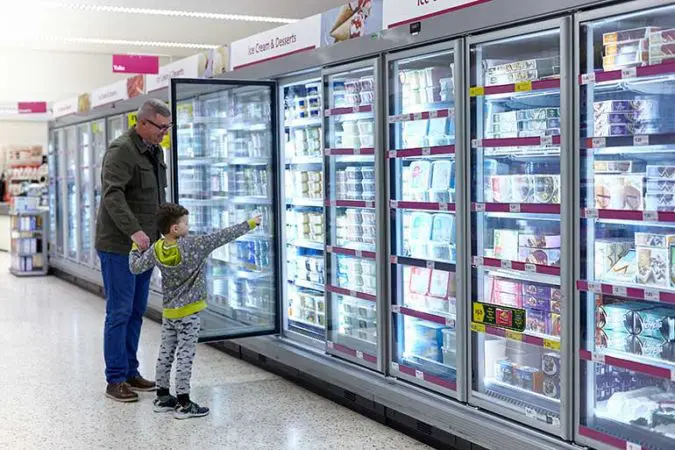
[[165, 404], [190, 410]]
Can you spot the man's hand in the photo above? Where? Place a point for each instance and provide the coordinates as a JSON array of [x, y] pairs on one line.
[[141, 239]]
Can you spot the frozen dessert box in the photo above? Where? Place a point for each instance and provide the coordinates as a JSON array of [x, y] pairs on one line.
[[442, 284], [505, 371], [653, 266], [621, 60], [528, 64], [536, 321], [419, 280], [544, 257], [660, 186], [551, 387], [623, 118], [551, 364], [618, 316], [522, 188], [618, 106], [657, 323], [622, 192], [663, 172], [506, 244], [628, 35], [619, 48], [608, 252], [662, 36], [529, 378], [654, 240], [628, 129], [660, 202], [523, 75], [628, 343], [546, 189], [661, 52], [539, 241], [501, 188]]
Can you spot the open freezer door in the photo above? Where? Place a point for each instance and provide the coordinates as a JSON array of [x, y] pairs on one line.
[[224, 170]]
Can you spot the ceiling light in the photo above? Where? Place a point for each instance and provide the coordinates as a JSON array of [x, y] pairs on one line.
[[164, 12], [83, 40]]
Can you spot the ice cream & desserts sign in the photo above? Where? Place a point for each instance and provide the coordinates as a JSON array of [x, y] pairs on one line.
[[283, 41]]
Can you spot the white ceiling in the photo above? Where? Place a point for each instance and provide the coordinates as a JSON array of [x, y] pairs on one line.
[[32, 25]]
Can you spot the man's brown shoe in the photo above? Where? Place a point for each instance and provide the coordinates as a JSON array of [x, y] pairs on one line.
[[121, 392], [140, 384]]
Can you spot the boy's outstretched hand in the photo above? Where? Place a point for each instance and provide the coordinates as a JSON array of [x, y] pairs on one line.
[[257, 220]]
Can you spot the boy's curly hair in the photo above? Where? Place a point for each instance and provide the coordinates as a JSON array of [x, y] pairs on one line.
[[169, 214]]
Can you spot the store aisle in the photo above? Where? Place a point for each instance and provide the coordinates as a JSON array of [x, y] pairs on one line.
[[52, 385]]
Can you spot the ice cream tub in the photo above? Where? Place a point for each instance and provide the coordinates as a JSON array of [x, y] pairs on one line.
[[545, 257]]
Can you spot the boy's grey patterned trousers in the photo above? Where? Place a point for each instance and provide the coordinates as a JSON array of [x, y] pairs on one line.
[[179, 338]]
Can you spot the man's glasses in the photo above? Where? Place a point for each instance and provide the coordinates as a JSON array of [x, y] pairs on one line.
[[160, 127]]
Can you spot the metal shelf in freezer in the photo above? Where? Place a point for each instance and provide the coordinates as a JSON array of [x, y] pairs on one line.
[[654, 294], [439, 150], [518, 266], [634, 363], [351, 352], [628, 73]]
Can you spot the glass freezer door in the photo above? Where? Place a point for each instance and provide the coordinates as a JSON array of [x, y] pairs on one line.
[[72, 189], [422, 201], [351, 228], [224, 167], [55, 218], [85, 210], [303, 246], [517, 293], [626, 362]]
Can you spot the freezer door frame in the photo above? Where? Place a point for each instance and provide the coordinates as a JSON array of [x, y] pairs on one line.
[[606, 12], [173, 167], [76, 182], [94, 212], [457, 48], [87, 126], [283, 82], [377, 65], [564, 25]]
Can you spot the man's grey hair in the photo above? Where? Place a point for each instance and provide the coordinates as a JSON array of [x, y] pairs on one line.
[[150, 108]]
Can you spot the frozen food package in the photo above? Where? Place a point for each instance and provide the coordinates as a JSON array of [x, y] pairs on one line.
[[612, 167], [443, 228], [501, 188], [539, 240], [415, 133], [657, 323], [505, 371], [551, 387], [632, 46], [628, 35], [551, 363], [420, 175], [540, 256], [661, 172], [661, 186], [535, 321], [653, 266], [662, 36], [621, 60], [653, 240], [628, 343], [523, 75], [522, 188], [639, 116], [506, 244], [420, 233], [546, 189], [629, 129], [442, 175], [528, 64], [625, 270], [660, 53], [618, 316], [660, 202], [419, 280], [623, 106], [608, 252], [529, 378]]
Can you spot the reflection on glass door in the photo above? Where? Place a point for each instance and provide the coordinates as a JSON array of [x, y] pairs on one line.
[[55, 217], [354, 328], [627, 195], [85, 190], [517, 363], [72, 190], [223, 159], [302, 147], [423, 200]]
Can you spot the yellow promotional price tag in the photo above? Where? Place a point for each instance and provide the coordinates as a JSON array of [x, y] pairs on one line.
[[551, 345], [131, 119], [524, 86], [513, 335], [478, 312], [477, 327], [477, 91]]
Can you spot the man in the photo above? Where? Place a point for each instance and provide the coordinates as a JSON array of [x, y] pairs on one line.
[[133, 179]]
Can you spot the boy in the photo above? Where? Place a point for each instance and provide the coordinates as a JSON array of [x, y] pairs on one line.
[[181, 260]]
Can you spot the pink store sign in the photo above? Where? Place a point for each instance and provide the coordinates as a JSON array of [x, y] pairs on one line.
[[135, 64], [32, 107]]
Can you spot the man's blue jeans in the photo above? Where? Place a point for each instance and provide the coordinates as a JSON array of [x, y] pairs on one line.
[[126, 297]]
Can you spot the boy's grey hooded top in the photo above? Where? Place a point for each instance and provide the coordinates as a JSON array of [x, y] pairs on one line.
[[184, 285]]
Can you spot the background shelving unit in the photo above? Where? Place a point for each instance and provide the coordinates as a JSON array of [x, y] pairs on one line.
[[29, 245]]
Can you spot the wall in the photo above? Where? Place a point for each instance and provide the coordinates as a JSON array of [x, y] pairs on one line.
[[53, 75], [22, 133]]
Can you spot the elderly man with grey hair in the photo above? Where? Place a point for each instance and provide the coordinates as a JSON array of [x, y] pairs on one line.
[[133, 182]]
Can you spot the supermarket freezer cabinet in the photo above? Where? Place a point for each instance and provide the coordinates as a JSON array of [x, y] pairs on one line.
[[519, 196], [626, 264], [72, 197], [224, 172], [423, 198], [352, 171]]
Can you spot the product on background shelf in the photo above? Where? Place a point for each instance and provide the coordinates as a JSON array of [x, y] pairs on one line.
[[625, 270], [623, 192], [423, 86], [608, 252]]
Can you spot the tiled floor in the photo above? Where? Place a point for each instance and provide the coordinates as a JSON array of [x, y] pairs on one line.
[[51, 388]]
